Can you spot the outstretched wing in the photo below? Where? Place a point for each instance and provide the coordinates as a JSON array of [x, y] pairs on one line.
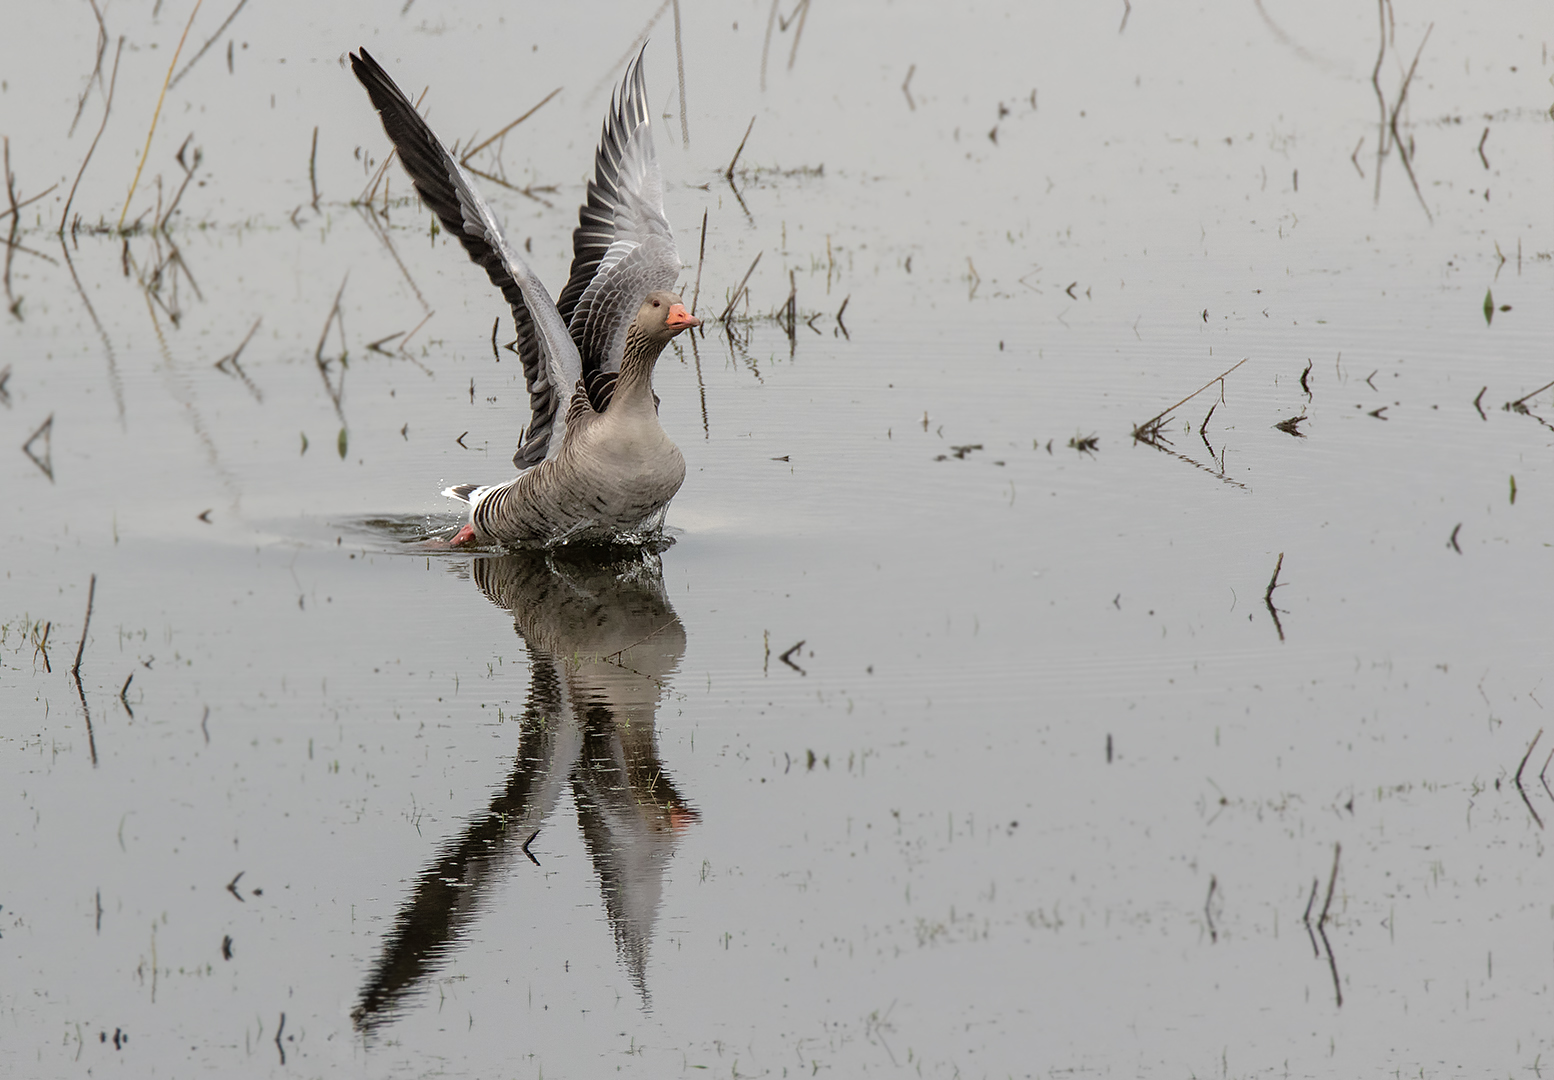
[[622, 248], [551, 364]]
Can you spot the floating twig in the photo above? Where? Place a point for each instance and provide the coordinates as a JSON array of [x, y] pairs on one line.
[[526, 844], [124, 691], [905, 83], [839, 321], [1519, 405], [1149, 430], [1452, 542]]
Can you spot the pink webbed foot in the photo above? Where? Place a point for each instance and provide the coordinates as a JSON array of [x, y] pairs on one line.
[[465, 535]]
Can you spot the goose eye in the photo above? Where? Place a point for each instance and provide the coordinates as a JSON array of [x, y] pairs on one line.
[[655, 303]]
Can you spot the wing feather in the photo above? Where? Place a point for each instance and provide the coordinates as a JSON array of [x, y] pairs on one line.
[[623, 247], [551, 363]]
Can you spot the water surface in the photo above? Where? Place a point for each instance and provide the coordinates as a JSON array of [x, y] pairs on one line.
[[956, 732]]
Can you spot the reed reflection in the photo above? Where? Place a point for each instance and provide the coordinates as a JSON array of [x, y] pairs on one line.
[[602, 642]]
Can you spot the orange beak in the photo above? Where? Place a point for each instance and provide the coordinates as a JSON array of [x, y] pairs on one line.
[[680, 319]]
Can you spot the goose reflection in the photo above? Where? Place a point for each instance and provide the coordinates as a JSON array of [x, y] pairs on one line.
[[602, 642]]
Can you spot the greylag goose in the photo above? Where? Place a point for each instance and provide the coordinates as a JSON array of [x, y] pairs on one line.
[[594, 462]]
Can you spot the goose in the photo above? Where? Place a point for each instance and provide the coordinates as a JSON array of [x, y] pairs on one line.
[[594, 463]]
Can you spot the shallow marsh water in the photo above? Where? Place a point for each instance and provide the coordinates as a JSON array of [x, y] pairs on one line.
[[932, 744]]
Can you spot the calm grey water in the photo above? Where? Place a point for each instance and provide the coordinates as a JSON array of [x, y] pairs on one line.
[[942, 740]]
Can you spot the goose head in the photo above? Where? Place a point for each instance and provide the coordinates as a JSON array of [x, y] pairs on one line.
[[662, 316]]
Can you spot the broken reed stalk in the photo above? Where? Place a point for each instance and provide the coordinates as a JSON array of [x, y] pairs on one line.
[[208, 42], [318, 353], [1393, 125], [413, 330], [1208, 908], [97, 69], [1306, 918], [1143, 431], [86, 624], [1523, 791], [28, 201], [739, 291], [188, 175], [75, 669], [728, 173], [631, 50], [700, 258], [155, 116], [1381, 99], [464, 158], [803, 14], [1527, 755], [10, 191], [679, 59], [313, 168], [232, 357], [1273, 583], [1331, 881], [771, 21]]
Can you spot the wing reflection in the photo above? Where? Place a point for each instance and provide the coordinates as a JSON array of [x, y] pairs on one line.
[[602, 642]]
